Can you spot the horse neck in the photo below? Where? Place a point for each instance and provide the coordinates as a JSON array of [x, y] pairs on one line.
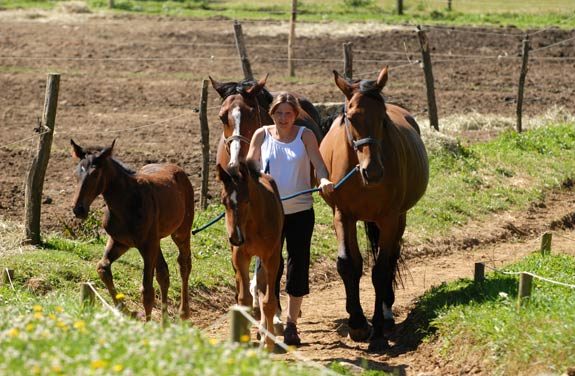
[[119, 181]]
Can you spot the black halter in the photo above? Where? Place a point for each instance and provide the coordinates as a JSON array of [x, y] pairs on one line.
[[355, 144]]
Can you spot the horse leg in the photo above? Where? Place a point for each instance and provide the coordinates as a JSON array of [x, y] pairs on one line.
[[349, 267], [112, 252], [163, 278], [383, 277], [269, 302], [241, 262], [182, 240], [150, 256]]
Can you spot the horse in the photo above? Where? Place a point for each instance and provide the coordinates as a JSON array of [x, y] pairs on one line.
[[384, 141], [254, 223], [141, 208], [245, 106]]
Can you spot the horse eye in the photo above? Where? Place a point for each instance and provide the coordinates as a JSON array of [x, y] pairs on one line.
[[224, 119]]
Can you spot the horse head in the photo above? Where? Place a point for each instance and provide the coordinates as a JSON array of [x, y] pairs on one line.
[[235, 197], [364, 119], [90, 176], [240, 114]]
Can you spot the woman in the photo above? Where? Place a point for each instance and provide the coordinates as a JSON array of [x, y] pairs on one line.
[[285, 150]]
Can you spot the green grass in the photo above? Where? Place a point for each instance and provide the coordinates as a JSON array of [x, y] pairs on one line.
[[523, 14], [510, 172], [483, 323], [56, 335]]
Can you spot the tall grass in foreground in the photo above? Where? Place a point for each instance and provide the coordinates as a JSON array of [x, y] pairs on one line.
[[483, 323], [55, 336]]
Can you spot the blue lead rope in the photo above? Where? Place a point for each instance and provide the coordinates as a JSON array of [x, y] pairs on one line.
[[339, 183]]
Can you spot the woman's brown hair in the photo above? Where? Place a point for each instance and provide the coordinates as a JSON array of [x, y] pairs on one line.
[[285, 98]]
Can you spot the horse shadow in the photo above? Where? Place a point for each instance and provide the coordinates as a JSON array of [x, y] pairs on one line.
[[410, 333]]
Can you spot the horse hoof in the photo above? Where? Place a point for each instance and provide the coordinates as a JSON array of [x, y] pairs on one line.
[[378, 345], [360, 334]]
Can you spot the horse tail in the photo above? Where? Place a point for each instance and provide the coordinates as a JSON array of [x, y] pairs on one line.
[[396, 263], [372, 234]]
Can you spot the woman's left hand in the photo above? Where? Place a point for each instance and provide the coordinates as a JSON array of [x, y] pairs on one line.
[[325, 185]]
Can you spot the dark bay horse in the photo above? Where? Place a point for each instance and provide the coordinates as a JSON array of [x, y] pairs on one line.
[[244, 109], [141, 208], [254, 223], [384, 140]]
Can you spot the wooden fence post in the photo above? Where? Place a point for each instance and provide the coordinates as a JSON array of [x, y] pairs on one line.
[[87, 294], [111, 4], [37, 172], [449, 5], [291, 38], [205, 134], [400, 7], [239, 35], [525, 283], [546, 243], [239, 324], [426, 57], [347, 60], [522, 76], [479, 272], [7, 276]]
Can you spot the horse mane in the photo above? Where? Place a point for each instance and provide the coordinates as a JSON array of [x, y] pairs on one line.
[[231, 88]]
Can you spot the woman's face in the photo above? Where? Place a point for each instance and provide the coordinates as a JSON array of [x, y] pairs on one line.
[[284, 116]]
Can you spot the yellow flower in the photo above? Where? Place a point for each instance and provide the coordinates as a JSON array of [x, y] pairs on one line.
[[29, 327], [14, 332], [101, 341], [36, 369], [56, 368], [52, 316], [80, 325], [37, 308], [98, 363], [62, 325], [59, 309], [213, 341], [245, 338], [118, 368], [120, 296], [38, 315], [251, 353]]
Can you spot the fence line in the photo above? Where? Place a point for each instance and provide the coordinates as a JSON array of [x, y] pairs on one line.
[[532, 275], [552, 44]]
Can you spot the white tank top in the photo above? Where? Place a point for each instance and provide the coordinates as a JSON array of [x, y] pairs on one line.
[[289, 165]]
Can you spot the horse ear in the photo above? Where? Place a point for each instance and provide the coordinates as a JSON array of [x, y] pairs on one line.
[[105, 153], [382, 78], [217, 86], [77, 150], [343, 85], [255, 89]]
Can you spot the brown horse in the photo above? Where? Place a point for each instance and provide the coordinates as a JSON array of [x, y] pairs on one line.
[[141, 208], [254, 222], [384, 140], [244, 109]]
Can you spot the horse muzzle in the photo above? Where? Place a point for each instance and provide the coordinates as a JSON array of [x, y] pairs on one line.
[[372, 174], [80, 211], [237, 238]]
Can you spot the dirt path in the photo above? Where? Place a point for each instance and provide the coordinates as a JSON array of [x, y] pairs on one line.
[[499, 241]]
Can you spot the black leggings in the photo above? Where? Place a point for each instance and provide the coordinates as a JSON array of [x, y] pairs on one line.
[[297, 232]]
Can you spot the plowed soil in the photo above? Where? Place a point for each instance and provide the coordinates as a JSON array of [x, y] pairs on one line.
[[138, 80]]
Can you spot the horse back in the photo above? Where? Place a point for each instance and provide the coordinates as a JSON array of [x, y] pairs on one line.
[[168, 190], [408, 153]]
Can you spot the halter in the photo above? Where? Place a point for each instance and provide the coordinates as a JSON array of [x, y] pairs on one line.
[[355, 144]]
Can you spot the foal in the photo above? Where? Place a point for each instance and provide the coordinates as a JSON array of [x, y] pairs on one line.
[[254, 222], [141, 208]]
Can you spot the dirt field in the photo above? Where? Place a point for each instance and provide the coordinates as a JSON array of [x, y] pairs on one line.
[[138, 79]]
